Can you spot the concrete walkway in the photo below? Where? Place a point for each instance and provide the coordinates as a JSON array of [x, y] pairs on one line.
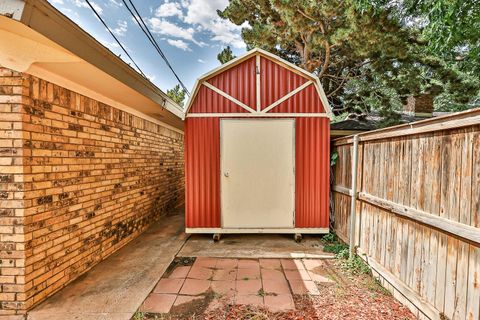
[[254, 246], [116, 287]]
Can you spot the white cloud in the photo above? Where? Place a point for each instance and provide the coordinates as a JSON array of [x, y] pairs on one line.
[[204, 14], [169, 9], [116, 3], [57, 1], [162, 26], [201, 61], [83, 4], [179, 44], [121, 28]]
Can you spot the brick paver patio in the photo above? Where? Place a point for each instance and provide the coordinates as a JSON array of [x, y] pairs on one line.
[[257, 282]]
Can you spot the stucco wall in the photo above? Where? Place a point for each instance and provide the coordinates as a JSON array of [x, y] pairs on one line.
[[78, 180]]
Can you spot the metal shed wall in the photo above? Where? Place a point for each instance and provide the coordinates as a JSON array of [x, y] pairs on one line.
[[202, 173], [202, 137]]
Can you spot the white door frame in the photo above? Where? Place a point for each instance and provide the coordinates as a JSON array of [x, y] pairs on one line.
[[257, 230]]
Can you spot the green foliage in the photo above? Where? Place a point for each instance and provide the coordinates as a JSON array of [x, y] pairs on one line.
[[138, 316], [177, 94], [333, 158], [367, 54], [354, 265], [332, 244], [225, 55]]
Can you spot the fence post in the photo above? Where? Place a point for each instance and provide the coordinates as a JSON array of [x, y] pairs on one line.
[[353, 196]]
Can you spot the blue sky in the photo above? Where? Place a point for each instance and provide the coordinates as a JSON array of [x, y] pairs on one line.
[[189, 32]]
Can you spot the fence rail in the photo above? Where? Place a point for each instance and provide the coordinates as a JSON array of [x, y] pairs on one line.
[[416, 211]]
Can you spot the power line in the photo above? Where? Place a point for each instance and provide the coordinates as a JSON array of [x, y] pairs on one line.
[[152, 40], [119, 43]]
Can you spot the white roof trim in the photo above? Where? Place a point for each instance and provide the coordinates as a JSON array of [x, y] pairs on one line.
[[256, 51]]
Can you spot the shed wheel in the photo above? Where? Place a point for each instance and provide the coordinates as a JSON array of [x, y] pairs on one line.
[[216, 237], [298, 237]]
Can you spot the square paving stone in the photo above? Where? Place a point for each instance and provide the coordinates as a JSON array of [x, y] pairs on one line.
[[225, 287], [195, 287], [297, 275], [247, 274], [311, 264], [292, 264], [275, 286], [249, 299], [281, 302], [319, 278], [200, 273], [205, 262], [225, 274], [180, 272], [270, 263], [248, 264], [227, 263], [158, 303], [273, 274], [168, 286], [246, 287], [304, 287], [186, 299]]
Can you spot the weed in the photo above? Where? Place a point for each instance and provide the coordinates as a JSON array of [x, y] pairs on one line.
[[332, 244], [138, 316], [354, 265], [261, 293]]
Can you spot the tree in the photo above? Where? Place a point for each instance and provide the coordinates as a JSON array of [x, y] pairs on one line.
[[176, 94], [365, 57], [451, 28], [225, 55]]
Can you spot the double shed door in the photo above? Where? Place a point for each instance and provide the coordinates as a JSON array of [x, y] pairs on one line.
[[257, 173]]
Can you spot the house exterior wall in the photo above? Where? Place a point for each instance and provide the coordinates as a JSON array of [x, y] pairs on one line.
[[78, 180]]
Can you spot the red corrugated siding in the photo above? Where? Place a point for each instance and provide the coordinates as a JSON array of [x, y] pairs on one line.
[[312, 168], [277, 81], [202, 172], [208, 101], [202, 142], [306, 101], [239, 82]]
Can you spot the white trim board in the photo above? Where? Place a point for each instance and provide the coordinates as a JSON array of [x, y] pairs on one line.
[[261, 230], [257, 52], [257, 115]]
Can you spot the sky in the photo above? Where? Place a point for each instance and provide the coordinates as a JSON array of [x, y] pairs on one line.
[[189, 32]]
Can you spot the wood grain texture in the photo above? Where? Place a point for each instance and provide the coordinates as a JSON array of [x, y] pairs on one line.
[[418, 212]]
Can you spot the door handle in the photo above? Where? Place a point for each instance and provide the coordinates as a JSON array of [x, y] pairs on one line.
[[226, 174]]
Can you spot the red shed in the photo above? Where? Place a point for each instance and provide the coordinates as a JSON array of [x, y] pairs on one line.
[[257, 156]]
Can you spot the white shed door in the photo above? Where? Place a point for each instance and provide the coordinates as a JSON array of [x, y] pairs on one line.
[[257, 173]]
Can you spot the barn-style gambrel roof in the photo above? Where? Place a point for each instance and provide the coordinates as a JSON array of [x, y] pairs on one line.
[[258, 84]]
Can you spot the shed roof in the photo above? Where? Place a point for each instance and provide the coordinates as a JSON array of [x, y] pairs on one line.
[[257, 52]]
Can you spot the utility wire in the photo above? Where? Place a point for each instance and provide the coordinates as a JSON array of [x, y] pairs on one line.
[[119, 43], [141, 23]]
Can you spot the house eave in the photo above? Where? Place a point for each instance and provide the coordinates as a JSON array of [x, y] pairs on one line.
[[49, 45]]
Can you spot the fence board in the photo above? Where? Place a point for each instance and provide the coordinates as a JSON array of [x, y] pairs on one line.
[[418, 212]]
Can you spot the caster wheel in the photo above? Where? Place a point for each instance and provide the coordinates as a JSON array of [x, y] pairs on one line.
[[298, 237], [216, 237]]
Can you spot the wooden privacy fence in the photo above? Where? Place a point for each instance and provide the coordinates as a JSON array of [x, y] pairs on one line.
[[416, 211]]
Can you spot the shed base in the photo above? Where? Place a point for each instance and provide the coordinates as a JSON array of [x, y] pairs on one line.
[[260, 230]]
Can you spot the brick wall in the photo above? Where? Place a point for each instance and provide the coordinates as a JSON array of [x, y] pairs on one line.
[[78, 180]]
